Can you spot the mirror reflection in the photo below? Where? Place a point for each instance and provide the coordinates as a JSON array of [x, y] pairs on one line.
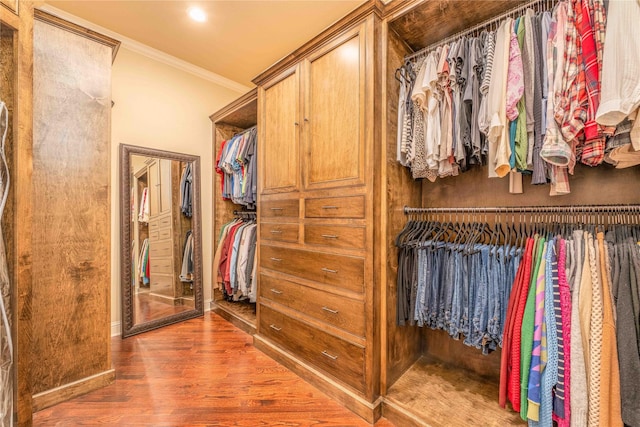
[[162, 237], [161, 257]]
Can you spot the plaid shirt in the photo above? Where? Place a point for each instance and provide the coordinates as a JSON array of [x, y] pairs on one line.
[[594, 145], [571, 109]]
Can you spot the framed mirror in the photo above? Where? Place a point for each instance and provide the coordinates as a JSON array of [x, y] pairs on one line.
[[160, 238]]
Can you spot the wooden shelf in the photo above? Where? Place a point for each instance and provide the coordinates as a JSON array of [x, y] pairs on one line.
[[433, 394], [241, 314]]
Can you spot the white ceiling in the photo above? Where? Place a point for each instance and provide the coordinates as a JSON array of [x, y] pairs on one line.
[[240, 39]]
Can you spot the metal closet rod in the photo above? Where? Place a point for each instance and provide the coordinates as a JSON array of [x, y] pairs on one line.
[[247, 213], [529, 209], [480, 26]]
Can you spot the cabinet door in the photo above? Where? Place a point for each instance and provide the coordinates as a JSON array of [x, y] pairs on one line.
[[280, 127], [334, 114], [165, 186], [154, 189]]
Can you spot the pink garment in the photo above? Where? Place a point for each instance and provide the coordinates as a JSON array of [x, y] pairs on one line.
[[565, 308], [515, 77]]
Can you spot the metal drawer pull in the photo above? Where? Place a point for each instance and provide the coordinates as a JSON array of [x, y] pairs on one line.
[[329, 310], [330, 207], [275, 291], [276, 259], [277, 209], [275, 328], [328, 270], [276, 231], [330, 356], [329, 236]]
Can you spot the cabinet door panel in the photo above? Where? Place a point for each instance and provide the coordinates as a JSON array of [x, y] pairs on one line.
[[281, 160], [334, 119], [154, 189], [165, 185]]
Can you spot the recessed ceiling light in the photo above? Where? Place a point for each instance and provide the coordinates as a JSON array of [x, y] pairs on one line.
[[197, 14]]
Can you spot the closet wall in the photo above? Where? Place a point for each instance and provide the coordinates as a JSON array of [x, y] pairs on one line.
[[71, 223], [436, 354], [16, 90], [239, 115]]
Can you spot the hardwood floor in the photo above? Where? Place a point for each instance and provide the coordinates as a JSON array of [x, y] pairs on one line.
[[202, 372], [146, 308]]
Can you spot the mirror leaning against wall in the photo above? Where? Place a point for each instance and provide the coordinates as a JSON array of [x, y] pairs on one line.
[[160, 238]]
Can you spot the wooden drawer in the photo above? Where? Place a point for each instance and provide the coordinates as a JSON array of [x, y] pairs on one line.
[[161, 284], [164, 234], [335, 236], [154, 235], [335, 207], [154, 226], [165, 221], [279, 232], [341, 312], [339, 358], [161, 265], [280, 208], [161, 249], [338, 270]]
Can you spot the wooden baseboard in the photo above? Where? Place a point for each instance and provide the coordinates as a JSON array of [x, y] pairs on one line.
[[233, 319], [369, 411], [399, 415], [69, 391]]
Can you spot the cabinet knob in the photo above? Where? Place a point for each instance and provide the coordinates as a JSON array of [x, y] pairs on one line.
[[275, 291], [275, 328], [330, 310], [330, 207], [275, 259], [328, 270], [276, 231]]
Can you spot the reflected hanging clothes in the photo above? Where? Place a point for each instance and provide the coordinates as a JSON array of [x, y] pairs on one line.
[[186, 272]]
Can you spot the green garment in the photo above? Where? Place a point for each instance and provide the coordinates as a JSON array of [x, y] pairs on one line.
[[522, 139], [527, 330]]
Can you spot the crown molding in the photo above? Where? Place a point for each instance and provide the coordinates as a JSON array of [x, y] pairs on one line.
[[149, 51]]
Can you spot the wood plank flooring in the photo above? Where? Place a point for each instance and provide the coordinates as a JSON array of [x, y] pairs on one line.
[[202, 372], [146, 308]]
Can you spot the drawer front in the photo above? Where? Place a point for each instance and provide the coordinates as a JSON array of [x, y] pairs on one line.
[[335, 207], [341, 359], [161, 284], [164, 233], [154, 235], [165, 221], [338, 270], [279, 232], [280, 208], [335, 236], [161, 265], [154, 226], [341, 312], [161, 249]]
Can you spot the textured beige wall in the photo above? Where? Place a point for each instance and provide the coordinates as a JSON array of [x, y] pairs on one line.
[[158, 106]]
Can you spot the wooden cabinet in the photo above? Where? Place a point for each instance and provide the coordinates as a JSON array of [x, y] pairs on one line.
[[281, 134], [316, 294], [333, 122]]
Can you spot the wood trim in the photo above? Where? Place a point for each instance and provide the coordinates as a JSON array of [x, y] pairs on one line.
[[335, 30], [234, 319], [69, 391], [239, 103], [48, 18], [394, 9], [23, 221], [12, 5], [369, 411], [399, 415]]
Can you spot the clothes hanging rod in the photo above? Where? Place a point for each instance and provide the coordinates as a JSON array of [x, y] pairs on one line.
[[529, 209], [479, 26], [248, 213]]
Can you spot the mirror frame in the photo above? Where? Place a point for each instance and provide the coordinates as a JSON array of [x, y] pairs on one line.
[[126, 298]]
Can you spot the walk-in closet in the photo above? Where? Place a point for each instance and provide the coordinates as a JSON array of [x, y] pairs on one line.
[[235, 200]]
